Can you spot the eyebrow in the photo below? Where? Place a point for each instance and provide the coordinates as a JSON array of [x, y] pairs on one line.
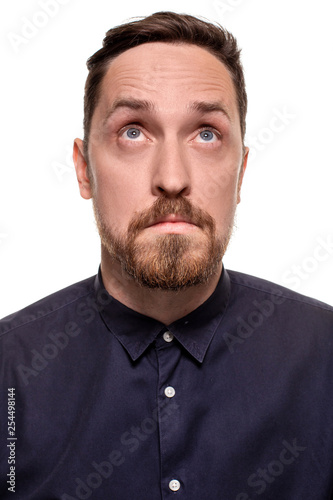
[[145, 105], [135, 104], [210, 107]]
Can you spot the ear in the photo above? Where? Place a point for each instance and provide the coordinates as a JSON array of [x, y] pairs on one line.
[[81, 169], [241, 173]]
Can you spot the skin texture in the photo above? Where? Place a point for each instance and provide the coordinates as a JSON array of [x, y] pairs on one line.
[[167, 154]]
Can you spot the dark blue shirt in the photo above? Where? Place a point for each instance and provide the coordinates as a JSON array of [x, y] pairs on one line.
[[232, 402]]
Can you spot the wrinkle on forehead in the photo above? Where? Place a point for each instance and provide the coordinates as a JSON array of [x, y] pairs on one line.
[[165, 71]]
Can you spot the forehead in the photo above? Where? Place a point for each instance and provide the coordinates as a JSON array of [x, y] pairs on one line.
[[170, 76]]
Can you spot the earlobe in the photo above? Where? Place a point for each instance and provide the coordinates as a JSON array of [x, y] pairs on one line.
[[81, 169], [241, 173]]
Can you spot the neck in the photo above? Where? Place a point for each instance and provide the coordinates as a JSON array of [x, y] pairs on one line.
[[165, 306]]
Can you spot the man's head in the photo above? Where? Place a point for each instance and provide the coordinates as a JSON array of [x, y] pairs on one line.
[[163, 154]]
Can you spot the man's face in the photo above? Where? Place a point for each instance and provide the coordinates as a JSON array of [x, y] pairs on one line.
[[165, 157]]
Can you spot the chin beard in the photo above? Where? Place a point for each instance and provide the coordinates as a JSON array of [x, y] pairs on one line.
[[168, 261]]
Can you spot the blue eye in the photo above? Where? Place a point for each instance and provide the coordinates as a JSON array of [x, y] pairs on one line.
[[206, 135], [133, 133]]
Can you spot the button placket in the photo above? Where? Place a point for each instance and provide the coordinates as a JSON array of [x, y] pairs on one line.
[[169, 356]]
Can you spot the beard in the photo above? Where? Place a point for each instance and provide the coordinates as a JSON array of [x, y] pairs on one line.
[[166, 261]]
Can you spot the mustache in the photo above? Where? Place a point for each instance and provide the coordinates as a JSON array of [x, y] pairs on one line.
[[164, 206]]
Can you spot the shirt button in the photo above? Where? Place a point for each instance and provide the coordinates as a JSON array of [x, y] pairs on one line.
[[169, 392], [174, 485], [168, 337]]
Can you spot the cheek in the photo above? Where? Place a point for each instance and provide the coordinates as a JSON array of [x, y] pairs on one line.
[[218, 189], [115, 171], [218, 196], [218, 173], [114, 200]]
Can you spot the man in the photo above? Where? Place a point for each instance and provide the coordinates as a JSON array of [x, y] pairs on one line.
[[166, 376]]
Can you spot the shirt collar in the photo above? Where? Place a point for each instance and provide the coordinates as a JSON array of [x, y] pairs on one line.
[[136, 331]]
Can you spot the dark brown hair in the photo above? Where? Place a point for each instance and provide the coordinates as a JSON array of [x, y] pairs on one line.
[[163, 27]]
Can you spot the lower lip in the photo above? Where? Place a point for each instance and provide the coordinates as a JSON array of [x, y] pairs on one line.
[[172, 227]]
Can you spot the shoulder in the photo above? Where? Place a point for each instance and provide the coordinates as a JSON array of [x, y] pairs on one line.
[[278, 308], [251, 286], [277, 320], [59, 304]]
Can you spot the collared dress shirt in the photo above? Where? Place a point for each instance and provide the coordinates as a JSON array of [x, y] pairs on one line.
[[232, 402]]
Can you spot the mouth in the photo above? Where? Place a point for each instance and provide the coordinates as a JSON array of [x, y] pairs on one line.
[[172, 223]]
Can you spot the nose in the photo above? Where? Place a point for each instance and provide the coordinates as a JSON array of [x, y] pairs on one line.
[[171, 174]]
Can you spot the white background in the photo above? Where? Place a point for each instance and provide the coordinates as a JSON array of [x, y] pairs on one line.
[[48, 238]]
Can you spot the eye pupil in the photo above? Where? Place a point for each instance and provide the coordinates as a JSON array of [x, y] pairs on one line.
[[206, 135]]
